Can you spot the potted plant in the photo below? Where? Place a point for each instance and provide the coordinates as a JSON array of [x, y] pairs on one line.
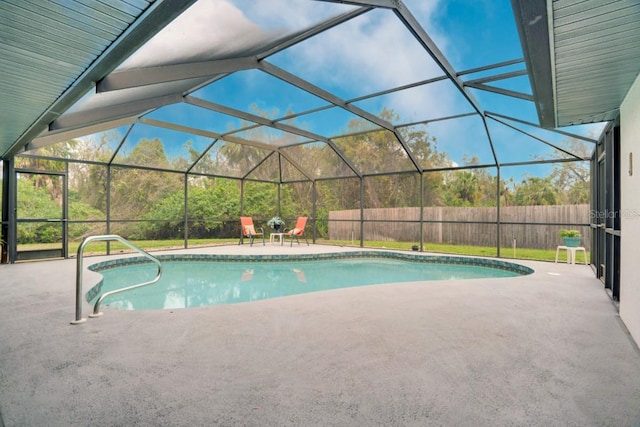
[[571, 238], [276, 222]]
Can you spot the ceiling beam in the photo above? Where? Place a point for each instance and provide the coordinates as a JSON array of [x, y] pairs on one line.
[[270, 123], [559, 131], [52, 137], [321, 93], [497, 77], [179, 128], [491, 67], [501, 91], [167, 73], [530, 135], [315, 30], [387, 4], [296, 165], [437, 119], [112, 112], [412, 24]]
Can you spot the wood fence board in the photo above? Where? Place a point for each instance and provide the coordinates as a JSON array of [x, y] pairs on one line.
[[464, 226]]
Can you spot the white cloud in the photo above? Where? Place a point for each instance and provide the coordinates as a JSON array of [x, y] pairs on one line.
[[289, 14], [375, 52], [369, 53], [208, 29], [218, 28]]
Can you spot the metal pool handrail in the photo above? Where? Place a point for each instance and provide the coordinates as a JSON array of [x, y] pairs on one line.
[[96, 307]]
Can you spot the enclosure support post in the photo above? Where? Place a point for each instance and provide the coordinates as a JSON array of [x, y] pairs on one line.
[[421, 211], [498, 212], [361, 212], [7, 220], [4, 219], [12, 230], [108, 207], [186, 211], [65, 211], [314, 198], [279, 201], [241, 208]]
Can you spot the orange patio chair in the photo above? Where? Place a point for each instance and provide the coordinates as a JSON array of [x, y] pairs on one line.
[[249, 231], [298, 230]]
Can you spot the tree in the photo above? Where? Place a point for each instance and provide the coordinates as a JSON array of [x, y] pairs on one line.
[[469, 187], [36, 202], [573, 181], [424, 148], [209, 202], [88, 179], [380, 151], [461, 189], [572, 178], [44, 181], [536, 191], [135, 192]]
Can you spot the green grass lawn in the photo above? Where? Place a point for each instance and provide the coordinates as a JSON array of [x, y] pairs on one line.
[[96, 248], [148, 245], [520, 253]]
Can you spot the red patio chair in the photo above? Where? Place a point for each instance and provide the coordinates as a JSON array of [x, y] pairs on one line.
[[298, 230], [249, 230]]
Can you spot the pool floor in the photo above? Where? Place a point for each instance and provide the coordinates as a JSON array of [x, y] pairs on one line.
[[188, 284]]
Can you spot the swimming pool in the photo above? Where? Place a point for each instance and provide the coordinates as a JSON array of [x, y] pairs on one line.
[[207, 280]]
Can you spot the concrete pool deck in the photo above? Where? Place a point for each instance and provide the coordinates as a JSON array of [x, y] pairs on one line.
[[545, 349]]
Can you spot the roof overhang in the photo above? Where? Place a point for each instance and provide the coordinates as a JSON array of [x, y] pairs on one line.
[[582, 57], [63, 74]]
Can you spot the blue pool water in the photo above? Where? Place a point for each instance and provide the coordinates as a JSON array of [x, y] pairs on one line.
[[197, 283]]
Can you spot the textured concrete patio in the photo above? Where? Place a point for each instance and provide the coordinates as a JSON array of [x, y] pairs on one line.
[[545, 349]]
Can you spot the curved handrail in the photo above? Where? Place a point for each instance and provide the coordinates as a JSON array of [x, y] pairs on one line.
[[96, 307]]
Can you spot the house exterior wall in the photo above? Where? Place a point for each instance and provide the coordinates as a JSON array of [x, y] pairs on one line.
[[630, 211]]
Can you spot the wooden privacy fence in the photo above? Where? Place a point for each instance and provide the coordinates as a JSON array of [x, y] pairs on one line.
[[465, 226]]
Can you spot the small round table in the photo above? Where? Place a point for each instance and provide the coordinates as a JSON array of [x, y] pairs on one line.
[[280, 236]]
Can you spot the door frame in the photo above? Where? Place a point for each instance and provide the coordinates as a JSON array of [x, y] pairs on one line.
[[38, 254]]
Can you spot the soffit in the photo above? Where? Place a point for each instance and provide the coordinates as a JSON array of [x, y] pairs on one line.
[[583, 56], [52, 52]]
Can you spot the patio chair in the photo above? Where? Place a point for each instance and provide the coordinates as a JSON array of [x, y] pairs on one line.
[[298, 230], [249, 230]]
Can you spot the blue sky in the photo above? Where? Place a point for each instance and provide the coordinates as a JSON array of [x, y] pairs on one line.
[[370, 53]]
